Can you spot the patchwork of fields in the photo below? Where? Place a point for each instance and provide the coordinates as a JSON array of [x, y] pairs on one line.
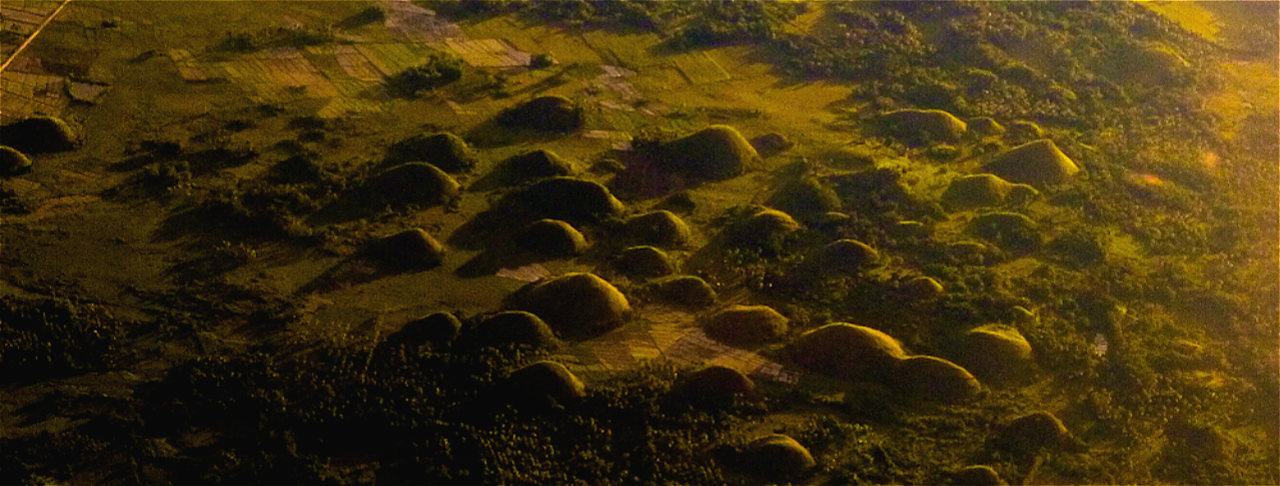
[[639, 242]]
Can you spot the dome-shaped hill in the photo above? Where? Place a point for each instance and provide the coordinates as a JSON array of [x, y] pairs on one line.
[[1150, 64], [977, 190], [777, 456], [547, 113], [713, 153], [935, 379], [763, 229], [977, 476], [995, 352], [414, 183], [1039, 163], [713, 385], [551, 237], [659, 228], [575, 304], [686, 290], [446, 151], [985, 126], [566, 198], [1023, 131], [544, 382], [771, 143], [38, 134], [12, 161], [845, 256], [534, 165], [922, 126], [511, 327], [439, 328], [922, 287], [643, 262], [846, 350], [1034, 432], [746, 325], [412, 249], [805, 197]]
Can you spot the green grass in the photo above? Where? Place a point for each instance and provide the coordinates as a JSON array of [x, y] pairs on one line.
[[237, 342]]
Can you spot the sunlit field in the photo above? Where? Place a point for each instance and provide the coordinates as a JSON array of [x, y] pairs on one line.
[[639, 242]]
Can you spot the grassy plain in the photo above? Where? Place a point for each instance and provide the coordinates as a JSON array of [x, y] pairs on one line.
[[247, 328]]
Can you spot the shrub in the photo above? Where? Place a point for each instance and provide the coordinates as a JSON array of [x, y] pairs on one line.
[[246, 42], [439, 70], [424, 416], [540, 61], [369, 15], [258, 209], [165, 177], [49, 338]]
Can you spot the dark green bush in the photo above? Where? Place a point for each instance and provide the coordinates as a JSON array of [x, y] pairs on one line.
[[728, 22], [428, 416], [246, 42], [260, 210], [165, 177], [367, 16], [439, 70], [10, 203], [55, 337]]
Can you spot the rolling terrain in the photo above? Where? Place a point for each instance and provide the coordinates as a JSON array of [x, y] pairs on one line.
[[640, 242]]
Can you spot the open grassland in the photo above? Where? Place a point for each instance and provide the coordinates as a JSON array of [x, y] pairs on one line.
[[628, 241]]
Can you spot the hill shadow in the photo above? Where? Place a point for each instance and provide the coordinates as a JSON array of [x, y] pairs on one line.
[[504, 254], [492, 134]]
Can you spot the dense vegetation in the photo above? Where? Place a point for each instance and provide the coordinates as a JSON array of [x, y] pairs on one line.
[[439, 70], [53, 338], [434, 415], [1170, 352]]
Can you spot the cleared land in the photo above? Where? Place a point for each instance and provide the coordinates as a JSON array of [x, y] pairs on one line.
[[207, 287]]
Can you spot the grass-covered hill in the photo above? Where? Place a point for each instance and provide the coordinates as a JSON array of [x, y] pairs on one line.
[[642, 242]]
